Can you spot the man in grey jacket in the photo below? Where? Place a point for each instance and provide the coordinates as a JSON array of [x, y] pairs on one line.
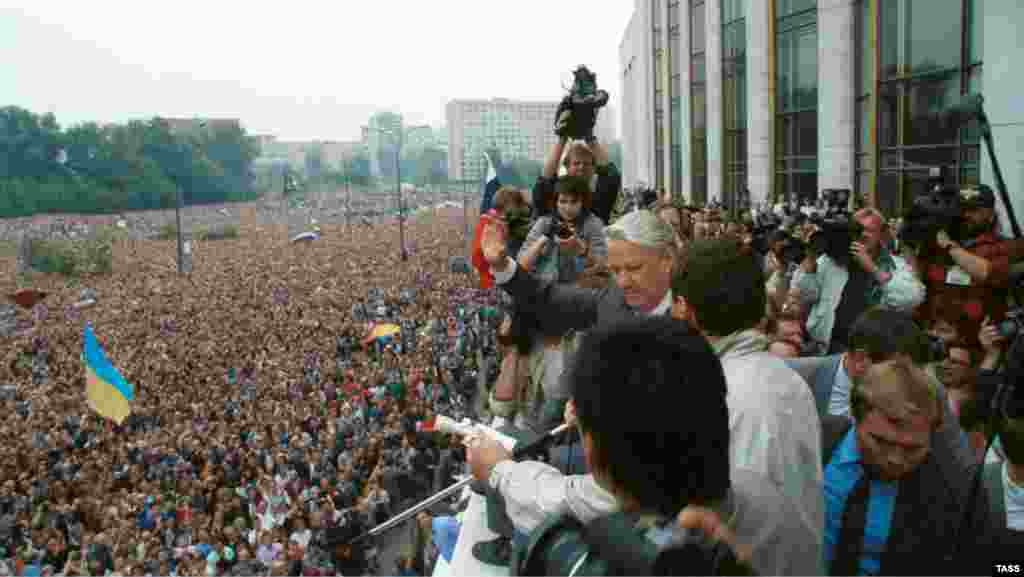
[[774, 431]]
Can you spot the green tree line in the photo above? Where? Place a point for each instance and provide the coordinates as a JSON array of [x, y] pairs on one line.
[[89, 168]]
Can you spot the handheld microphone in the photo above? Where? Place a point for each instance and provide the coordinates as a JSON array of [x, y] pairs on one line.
[[519, 450]]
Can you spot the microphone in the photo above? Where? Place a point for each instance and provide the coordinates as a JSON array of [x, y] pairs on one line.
[[519, 450], [465, 428]]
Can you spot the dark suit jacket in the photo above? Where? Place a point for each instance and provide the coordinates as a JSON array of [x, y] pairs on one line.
[[926, 519], [555, 309], [820, 374]]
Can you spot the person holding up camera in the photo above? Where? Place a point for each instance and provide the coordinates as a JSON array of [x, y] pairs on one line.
[[971, 276], [558, 243], [838, 288], [585, 157]]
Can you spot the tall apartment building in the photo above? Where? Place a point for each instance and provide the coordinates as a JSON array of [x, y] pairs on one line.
[[789, 97], [518, 129]]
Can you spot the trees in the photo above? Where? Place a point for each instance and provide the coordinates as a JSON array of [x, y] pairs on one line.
[[136, 165]]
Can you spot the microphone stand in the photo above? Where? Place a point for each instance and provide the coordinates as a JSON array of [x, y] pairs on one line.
[[519, 453]]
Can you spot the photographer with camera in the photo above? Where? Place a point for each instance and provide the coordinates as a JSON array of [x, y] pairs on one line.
[[585, 157], [972, 275], [849, 272]]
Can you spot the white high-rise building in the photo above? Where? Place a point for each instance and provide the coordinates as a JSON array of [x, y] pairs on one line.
[[518, 129], [790, 97]]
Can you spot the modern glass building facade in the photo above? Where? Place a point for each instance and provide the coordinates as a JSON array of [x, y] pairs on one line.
[[785, 98]]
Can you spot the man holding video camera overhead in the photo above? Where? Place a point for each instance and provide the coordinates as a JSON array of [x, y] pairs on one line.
[[586, 157], [848, 270]]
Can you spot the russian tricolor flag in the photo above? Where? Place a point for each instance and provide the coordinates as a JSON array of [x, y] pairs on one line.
[[491, 185]]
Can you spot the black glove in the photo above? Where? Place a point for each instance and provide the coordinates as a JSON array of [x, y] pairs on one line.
[[564, 118]]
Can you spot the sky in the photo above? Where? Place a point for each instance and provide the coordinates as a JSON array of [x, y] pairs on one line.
[[300, 70]]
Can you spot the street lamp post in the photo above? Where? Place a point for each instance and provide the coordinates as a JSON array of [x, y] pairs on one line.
[[401, 205], [399, 144]]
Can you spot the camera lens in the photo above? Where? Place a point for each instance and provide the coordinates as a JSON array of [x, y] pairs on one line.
[[1008, 328]]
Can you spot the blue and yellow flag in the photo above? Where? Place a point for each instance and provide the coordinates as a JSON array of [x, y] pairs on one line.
[[108, 393]]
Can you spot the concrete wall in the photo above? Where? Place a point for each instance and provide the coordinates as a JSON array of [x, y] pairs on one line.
[[637, 100], [836, 100], [760, 165], [1004, 99], [713, 56]]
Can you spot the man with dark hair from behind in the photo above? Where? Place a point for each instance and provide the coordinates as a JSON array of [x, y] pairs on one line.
[[775, 439], [650, 403]]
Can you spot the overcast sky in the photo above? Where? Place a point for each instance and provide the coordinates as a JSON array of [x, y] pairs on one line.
[[299, 69]]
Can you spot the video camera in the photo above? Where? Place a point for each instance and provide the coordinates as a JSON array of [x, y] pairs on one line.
[[584, 100], [935, 208]]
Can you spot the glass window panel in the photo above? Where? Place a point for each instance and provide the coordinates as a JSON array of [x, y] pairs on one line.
[[673, 15], [863, 124], [781, 127], [699, 156], [677, 170], [676, 86], [677, 123], [699, 111], [888, 193], [807, 69], [975, 32], [660, 162], [807, 133], [806, 184], [969, 176], [865, 56], [926, 100], [697, 72], [784, 73], [787, 7], [729, 102], [933, 39], [888, 107], [656, 9], [741, 100], [926, 157], [891, 160], [697, 28], [889, 37]]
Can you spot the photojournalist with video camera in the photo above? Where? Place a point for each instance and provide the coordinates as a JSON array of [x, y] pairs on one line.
[[847, 270], [584, 156], [962, 259]]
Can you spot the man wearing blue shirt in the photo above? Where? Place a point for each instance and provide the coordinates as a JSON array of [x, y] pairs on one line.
[[894, 502]]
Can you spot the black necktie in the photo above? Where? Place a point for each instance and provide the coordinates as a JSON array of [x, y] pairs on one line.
[[846, 556]]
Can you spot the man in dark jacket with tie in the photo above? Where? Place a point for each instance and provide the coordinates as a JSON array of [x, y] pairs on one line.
[[894, 501], [641, 251]]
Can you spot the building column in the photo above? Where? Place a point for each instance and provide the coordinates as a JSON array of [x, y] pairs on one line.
[[715, 123], [836, 99], [1004, 102], [649, 69], [666, 95], [759, 101], [682, 50]]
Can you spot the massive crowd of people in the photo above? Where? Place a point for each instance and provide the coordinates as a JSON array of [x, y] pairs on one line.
[[285, 391], [265, 427]]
